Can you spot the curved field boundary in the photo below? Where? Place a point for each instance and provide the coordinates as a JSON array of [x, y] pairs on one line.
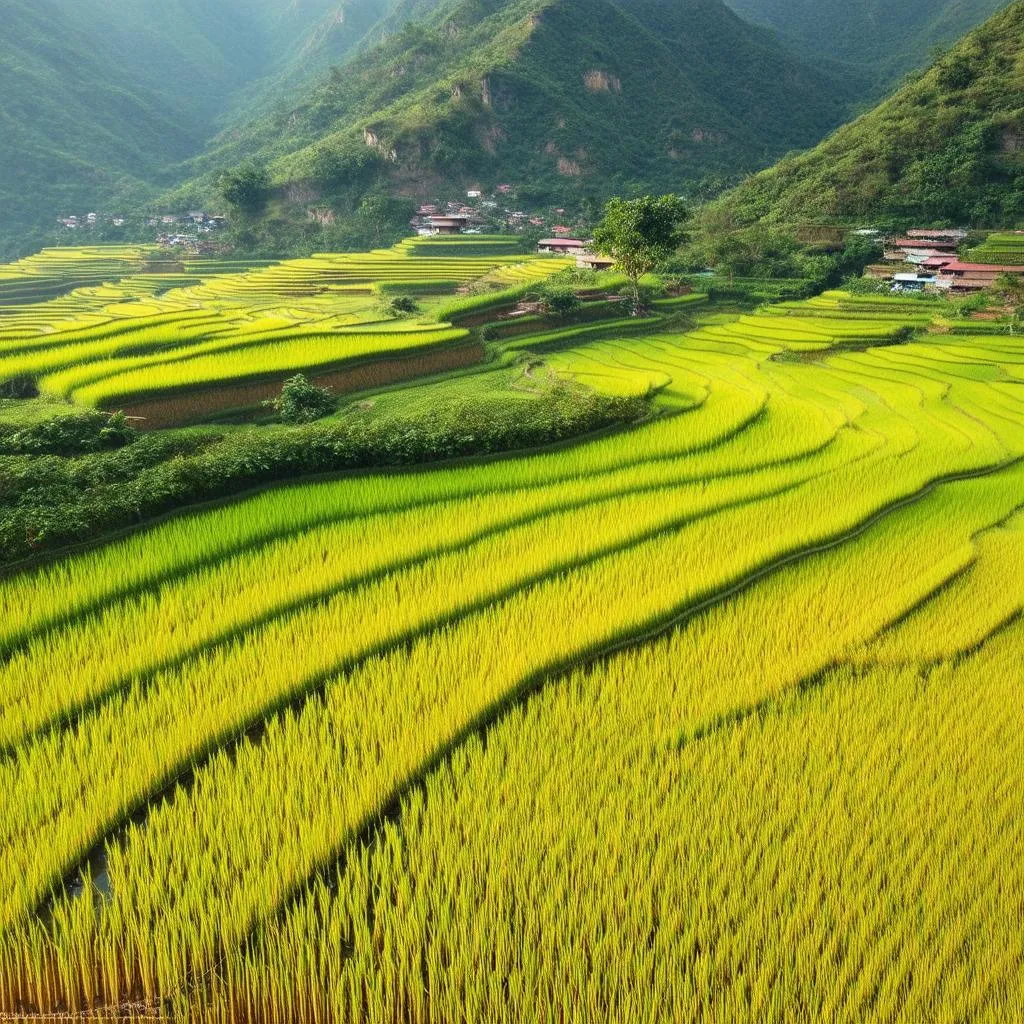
[[72, 714], [195, 405], [390, 808]]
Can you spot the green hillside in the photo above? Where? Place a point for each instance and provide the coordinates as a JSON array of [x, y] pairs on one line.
[[103, 99], [947, 147], [889, 39], [568, 96]]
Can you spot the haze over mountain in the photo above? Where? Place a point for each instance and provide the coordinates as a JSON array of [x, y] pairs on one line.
[[104, 98], [949, 146], [109, 104], [886, 39], [570, 96]]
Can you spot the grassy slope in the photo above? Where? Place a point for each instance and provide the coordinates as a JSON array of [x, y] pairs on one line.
[[947, 147], [482, 88], [889, 38]]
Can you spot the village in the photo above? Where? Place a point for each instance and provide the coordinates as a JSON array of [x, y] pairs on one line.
[[918, 260], [929, 260]]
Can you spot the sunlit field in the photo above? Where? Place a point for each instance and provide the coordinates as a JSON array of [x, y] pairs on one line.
[[716, 718]]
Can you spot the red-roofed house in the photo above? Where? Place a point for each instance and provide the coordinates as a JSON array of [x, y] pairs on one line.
[[446, 225], [974, 277], [562, 246]]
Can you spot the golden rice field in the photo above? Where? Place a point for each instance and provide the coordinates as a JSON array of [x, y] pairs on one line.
[[718, 718], [139, 336]]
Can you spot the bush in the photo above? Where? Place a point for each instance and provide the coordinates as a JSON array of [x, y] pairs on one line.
[[560, 302], [403, 305], [642, 296], [75, 434], [301, 401], [866, 286], [47, 502]]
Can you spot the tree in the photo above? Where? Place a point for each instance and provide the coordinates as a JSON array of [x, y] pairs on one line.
[[385, 215], [246, 188], [301, 401], [639, 234], [1010, 287]]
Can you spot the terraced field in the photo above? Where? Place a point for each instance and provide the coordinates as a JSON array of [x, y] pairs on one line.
[[1003, 249], [717, 718], [169, 347]]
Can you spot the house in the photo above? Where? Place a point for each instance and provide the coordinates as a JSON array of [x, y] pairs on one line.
[[537, 222], [426, 210], [591, 261], [912, 283], [974, 277], [919, 244], [936, 263], [924, 242], [562, 246], [954, 235], [561, 229], [504, 190], [474, 193], [450, 225]]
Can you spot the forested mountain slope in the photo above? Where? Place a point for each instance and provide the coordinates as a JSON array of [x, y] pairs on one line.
[[103, 99], [886, 38], [567, 96], [947, 147]]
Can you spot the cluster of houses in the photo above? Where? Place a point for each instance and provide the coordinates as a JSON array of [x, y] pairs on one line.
[[928, 259], [90, 220], [480, 213], [173, 224]]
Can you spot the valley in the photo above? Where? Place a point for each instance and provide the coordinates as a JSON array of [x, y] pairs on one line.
[[511, 511]]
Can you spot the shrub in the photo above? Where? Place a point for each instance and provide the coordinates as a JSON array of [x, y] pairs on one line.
[[403, 305], [301, 401], [560, 302], [75, 434]]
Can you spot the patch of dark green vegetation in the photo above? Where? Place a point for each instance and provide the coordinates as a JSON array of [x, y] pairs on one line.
[[51, 501]]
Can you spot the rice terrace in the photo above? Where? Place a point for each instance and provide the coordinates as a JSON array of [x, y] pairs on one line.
[[711, 712]]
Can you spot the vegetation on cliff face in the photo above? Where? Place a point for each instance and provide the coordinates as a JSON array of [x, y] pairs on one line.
[[567, 97], [947, 147]]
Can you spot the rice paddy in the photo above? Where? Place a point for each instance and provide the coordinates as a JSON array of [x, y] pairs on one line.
[[1002, 249], [141, 336], [715, 718]]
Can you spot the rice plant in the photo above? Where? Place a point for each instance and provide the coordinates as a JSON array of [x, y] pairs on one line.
[[716, 718]]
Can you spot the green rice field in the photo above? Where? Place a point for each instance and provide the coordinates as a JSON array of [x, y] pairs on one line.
[[1003, 249], [125, 341], [713, 718]]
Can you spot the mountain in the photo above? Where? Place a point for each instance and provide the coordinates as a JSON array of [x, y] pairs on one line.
[[886, 38], [947, 147], [102, 99], [569, 97]]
